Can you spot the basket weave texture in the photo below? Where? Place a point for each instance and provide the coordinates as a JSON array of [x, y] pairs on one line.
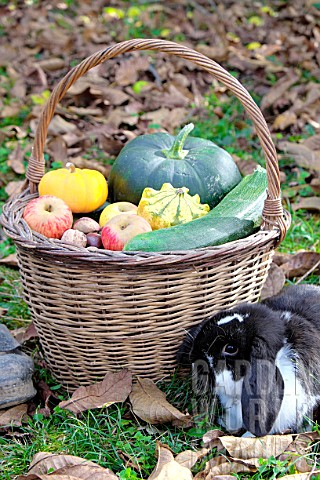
[[98, 310]]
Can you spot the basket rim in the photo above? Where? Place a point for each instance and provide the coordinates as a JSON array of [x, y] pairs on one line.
[[273, 210], [274, 219], [16, 228]]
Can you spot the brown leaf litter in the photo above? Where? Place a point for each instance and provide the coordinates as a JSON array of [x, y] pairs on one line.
[[149, 403], [115, 387]]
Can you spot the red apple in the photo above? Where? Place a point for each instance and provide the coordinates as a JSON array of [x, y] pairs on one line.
[[121, 228], [48, 215]]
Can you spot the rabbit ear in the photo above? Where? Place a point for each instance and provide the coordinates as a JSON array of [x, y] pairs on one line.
[[262, 391]]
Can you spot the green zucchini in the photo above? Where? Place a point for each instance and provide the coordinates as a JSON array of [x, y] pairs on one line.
[[246, 200], [236, 216]]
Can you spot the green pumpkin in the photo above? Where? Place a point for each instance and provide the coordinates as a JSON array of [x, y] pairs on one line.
[[157, 158]]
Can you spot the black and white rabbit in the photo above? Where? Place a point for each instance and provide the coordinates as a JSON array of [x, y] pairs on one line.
[[261, 360]]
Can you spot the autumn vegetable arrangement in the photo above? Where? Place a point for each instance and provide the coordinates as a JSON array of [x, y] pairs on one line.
[[165, 193]]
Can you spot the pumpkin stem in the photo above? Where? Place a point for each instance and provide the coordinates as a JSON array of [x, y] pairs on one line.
[[176, 151], [70, 167]]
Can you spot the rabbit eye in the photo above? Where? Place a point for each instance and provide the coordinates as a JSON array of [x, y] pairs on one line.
[[229, 350]]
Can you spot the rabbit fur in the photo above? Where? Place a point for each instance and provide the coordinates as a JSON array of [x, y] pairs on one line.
[[262, 361]]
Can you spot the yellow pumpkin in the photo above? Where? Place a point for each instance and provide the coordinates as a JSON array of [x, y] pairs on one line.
[[84, 190]]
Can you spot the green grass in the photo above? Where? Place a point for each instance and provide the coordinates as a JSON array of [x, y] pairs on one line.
[[111, 437], [98, 436], [230, 131], [16, 311], [303, 233]]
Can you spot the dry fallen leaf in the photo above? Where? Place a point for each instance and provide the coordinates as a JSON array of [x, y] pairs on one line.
[[149, 403], [312, 142], [284, 120], [45, 393], [110, 145], [278, 90], [10, 110], [246, 166], [27, 334], [315, 185], [76, 472], [47, 477], [211, 439], [44, 461], [217, 53], [13, 416], [36, 76], [303, 156], [15, 160], [188, 458], [10, 260], [308, 203], [92, 164], [224, 477], [168, 119], [171, 98], [279, 258], [65, 467], [302, 443], [312, 95], [51, 64], [115, 96], [261, 447], [299, 451], [58, 149], [244, 454], [7, 54], [127, 73], [118, 117], [83, 111], [301, 263], [55, 41], [14, 131], [59, 126], [300, 476], [239, 59], [168, 468], [222, 466], [15, 187], [115, 387], [274, 282]]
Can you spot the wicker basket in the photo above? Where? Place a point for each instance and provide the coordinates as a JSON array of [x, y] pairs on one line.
[[98, 311]]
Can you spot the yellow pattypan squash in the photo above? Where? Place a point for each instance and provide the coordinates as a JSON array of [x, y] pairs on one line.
[[170, 206], [84, 190]]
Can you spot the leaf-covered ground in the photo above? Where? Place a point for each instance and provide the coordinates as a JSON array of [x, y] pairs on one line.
[[273, 49]]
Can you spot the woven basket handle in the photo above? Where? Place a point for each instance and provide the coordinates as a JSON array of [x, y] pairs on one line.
[[273, 215]]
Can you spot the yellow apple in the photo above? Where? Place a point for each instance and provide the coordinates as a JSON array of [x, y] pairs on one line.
[[114, 209]]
